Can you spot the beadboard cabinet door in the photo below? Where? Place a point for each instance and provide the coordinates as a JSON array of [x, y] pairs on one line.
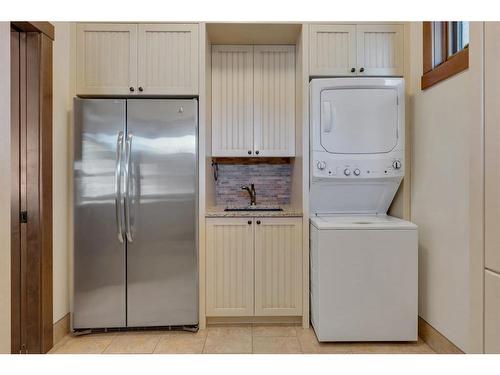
[[278, 267], [333, 50], [168, 59], [274, 100], [380, 50], [232, 100], [229, 267], [106, 59]]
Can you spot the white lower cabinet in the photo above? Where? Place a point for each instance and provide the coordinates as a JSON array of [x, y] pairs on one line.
[[229, 267], [253, 267], [278, 266], [492, 312]]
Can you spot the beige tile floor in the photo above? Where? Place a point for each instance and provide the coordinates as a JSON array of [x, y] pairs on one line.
[[243, 339]]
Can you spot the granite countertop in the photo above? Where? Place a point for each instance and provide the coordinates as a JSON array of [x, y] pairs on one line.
[[218, 211]]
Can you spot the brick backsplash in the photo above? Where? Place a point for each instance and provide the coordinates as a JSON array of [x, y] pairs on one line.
[[272, 183]]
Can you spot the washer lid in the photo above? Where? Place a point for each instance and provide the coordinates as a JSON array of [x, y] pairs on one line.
[[361, 222]]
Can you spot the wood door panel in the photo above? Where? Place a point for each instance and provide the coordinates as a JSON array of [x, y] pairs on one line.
[[15, 118], [31, 136], [31, 259], [45, 192]]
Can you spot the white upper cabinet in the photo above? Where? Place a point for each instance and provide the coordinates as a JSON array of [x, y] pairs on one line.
[[333, 50], [349, 50], [106, 59], [380, 50], [168, 59], [135, 59], [274, 100], [232, 100], [253, 100]]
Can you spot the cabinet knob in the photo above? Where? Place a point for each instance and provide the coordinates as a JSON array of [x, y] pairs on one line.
[[353, 70], [257, 152], [249, 222], [362, 70], [131, 89], [141, 89], [249, 152], [258, 221]]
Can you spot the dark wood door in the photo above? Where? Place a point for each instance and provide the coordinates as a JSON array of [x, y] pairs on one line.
[[31, 201]]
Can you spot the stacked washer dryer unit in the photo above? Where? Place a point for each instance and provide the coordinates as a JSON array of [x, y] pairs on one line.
[[363, 262]]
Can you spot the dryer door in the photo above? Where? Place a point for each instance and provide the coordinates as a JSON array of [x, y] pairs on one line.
[[359, 120]]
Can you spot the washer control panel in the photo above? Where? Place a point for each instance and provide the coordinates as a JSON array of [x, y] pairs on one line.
[[326, 166]]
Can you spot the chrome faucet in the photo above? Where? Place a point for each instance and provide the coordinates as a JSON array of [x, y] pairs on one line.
[[251, 192]]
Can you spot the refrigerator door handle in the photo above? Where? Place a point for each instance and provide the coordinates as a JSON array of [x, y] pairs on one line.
[[128, 152], [118, 187]]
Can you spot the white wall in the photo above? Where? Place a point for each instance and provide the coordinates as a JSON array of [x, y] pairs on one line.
[[61, 123], [5, 187], [446, 125]]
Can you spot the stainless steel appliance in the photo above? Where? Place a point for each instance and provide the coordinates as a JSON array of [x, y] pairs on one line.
[[135, 213]]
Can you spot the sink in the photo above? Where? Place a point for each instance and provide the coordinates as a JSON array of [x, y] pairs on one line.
[[253, 208]]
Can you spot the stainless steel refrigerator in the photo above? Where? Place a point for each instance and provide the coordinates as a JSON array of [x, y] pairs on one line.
[[135, 213]]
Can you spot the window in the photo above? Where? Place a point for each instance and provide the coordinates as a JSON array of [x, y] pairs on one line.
[[446, 50]]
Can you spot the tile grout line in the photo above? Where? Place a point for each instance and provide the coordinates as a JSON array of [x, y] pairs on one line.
[[112, 339], [300, 341], [156, 345], [204, 343], [252, 330]]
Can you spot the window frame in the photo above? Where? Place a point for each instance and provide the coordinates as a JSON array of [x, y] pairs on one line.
[[451, 65]]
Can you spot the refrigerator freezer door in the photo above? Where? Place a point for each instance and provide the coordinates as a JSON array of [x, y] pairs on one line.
[[99, 256], [162, 281]]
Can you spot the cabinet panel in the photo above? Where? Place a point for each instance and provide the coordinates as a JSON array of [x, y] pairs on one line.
[[492, 146], [232, 100], [380, 50], [168, 59], [492, 313], [229, 267], [274, 100], [333, 50], [278, 267], [106, 59]]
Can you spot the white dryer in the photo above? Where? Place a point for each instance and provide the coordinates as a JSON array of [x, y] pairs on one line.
[[363, 262]]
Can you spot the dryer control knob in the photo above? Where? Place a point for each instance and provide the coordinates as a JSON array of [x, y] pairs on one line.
[[321, 165], [357, 172], [347, 172], [396, 164]]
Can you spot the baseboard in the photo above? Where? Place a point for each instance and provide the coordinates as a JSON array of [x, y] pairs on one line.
[[254, 320], [61, 328], [437, 342]]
